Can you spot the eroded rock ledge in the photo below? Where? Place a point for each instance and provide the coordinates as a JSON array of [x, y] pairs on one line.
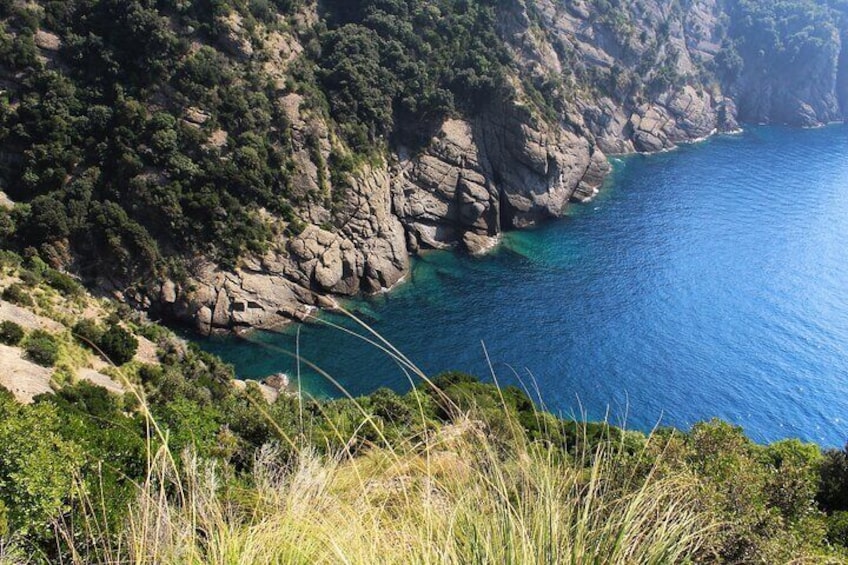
[[514, 164], [476, 179]]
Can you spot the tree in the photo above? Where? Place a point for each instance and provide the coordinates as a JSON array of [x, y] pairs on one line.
[[37, 467], [11, 333], [118, 344], [42, 348], [833, 484], [16, 293]]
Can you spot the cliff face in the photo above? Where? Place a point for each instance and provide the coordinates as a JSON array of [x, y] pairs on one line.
[[639, 78], [582, 80], [788, 76]]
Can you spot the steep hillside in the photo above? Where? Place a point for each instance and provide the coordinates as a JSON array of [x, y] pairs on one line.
[[232, 163]]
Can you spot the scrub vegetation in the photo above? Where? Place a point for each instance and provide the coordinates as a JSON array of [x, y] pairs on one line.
[[185, 467], [140, 134]]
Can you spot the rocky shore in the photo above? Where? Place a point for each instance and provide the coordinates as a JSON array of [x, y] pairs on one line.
[[517, 163]]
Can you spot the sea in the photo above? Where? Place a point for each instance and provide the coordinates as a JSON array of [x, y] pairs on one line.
[[706, 282]]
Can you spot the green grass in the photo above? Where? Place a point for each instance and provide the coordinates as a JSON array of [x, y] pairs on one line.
[[457, 493], [451, 497], [456, 471]]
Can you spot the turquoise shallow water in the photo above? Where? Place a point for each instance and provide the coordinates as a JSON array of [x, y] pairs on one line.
[[709, 281]]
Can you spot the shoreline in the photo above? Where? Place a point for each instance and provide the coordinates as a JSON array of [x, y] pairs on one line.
[[436, 299], [329, 303]]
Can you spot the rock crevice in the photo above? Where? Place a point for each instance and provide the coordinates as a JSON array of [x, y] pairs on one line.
[[611, 87]]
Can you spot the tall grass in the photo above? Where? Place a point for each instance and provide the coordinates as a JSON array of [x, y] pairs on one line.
[[455, 498], [461, 493]]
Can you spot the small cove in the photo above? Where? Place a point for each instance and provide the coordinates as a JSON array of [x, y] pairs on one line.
[[711, 281]]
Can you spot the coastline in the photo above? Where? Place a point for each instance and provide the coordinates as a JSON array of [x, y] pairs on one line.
[[453, 301], [329, 303]]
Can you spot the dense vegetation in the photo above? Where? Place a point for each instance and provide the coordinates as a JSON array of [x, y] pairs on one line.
[[185, 466], [98, 146], [139, 135], [414, 61], [776, 39], [112, 138], [73, 464]]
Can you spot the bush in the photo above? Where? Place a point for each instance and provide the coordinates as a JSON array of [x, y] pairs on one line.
[[837, 528], [153, 332], [118, 344], [42, 348], [389, 406], [11, 333], [30, 278], [833, 481], [65, 284], [88, 332], [9, 260], [17, 293]]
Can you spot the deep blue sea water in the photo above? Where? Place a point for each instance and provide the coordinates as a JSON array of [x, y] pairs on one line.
[[711, 281]]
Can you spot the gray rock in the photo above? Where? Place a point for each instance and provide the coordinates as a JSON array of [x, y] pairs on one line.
[[514, 164]]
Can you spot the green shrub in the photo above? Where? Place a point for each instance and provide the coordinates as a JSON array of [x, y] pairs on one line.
[[17, 293], [150, 374], [11, 333], [389, 406], [837, 528], [65, 284], [42, 348], [9, 259], [833, 481], [87, 331], [153, 332], [30, 278], [118, 344], [38, 468]]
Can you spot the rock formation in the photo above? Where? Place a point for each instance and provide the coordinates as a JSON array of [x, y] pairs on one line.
[[583, 80], [514, 164]]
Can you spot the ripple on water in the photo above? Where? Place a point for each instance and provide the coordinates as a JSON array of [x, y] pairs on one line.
[[710, 281]]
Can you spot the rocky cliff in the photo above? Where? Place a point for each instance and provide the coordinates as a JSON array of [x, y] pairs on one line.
[[582, 80], [637, 78]]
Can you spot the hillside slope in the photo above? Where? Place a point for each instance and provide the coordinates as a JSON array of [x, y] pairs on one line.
[[231, 163]]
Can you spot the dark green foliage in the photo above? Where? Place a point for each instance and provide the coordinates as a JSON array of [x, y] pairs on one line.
[[837, 528], [115, 342], [833, 486], [118, 344], [793, 487], [361, 89], [17, 293], [415, 60], [781, 34], [11, 333], [126, 186], [65, 284], [389, 406], [42, 348], [48, 220], [775, 42], [88, 331], [762, 495]]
